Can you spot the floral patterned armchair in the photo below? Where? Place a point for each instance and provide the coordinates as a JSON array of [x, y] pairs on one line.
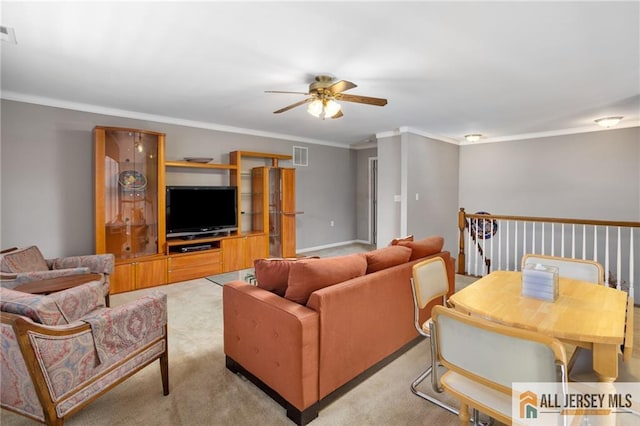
[[18, 266], [61, 351]]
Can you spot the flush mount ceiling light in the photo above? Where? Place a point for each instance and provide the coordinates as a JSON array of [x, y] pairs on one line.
[[473, 137], [608, 121]]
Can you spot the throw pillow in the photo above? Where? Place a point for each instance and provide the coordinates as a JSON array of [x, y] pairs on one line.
[[23, 260], [387, 257], [307, 276], [273, 274], [395, 241], [425, 247]]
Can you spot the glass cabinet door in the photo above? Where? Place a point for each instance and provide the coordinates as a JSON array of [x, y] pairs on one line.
[[131, 182]]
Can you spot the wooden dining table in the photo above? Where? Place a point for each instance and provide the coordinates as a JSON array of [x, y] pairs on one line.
[[584, 314]]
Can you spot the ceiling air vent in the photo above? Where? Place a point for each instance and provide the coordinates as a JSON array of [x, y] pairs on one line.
[[300, 156]]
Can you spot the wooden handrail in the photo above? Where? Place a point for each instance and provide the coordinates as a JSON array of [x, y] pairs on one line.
[[552, 220]]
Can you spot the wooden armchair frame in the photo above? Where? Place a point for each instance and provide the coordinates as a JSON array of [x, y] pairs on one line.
[[26, 329]]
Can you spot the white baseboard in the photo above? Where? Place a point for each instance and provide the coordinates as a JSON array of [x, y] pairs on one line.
[[333, 245]]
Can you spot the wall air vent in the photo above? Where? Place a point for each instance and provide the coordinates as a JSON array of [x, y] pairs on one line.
[[8, 34], [300, 156]]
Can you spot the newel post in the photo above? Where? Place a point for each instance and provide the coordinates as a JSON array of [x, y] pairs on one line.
[[462, 222]]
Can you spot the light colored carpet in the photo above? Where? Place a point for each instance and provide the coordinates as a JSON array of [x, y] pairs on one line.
[[204, 392]]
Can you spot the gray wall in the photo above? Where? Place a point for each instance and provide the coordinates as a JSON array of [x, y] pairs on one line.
[[588, 175], [46, 177], [326, 191], [431, 171], [388, 187], [433, 175]]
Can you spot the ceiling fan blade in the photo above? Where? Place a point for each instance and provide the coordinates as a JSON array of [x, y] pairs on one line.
[[341, 86], [284, 91], [338, 114], [362, 99], [287, 108]]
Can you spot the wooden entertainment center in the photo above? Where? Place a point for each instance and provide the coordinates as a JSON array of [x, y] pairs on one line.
[[130, 172]]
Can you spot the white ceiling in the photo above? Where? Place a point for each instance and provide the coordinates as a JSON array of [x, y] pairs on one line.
[[503, 69]]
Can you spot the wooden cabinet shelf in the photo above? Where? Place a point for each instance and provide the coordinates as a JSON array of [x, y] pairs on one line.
[[191, 165]]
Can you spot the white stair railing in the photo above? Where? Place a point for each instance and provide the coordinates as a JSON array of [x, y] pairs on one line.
[[491, 242]]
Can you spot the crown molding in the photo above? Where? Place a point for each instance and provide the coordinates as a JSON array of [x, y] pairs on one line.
[[414, 131], [550, 133], [370, 143], [96, 109]]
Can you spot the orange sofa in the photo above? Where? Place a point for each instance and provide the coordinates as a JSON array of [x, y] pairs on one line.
[[299, 352]]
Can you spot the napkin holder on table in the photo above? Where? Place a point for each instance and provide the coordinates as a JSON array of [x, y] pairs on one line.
[[540, 282]]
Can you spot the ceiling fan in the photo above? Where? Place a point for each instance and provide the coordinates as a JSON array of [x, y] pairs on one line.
[[323, 94]]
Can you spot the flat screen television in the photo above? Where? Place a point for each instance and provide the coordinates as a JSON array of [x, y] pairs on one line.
[[196, 210]]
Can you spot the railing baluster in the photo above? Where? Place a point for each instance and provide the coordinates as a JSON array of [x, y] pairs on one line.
[[468, 227], [533, 237], [484, 247], [507, 248], [607, 271], [553, 239], [475, 262], [491, 258], [562, 242], [515, 246], [573, 241], [499, 246], [524, 238], [619, 261], [595, 243], [542, 246], [631, 266], [584, 242]]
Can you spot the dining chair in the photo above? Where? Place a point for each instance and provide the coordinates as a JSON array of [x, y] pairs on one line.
[[429, 283], [481, 378], [577, 269]]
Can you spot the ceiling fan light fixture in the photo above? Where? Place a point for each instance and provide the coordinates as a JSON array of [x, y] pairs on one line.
[[315, 108], [608, 121], [323, 108], [473, 137], [331, 108]]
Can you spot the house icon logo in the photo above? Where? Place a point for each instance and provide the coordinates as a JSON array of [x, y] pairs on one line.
[[528, 405]]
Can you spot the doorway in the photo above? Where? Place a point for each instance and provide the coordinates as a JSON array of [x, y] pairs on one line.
[[373, 200]]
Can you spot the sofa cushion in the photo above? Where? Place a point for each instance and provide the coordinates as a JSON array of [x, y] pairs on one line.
[[39, 308], [309, 275], [425, 247], [387, 257], [27, 259], [273, 274]]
